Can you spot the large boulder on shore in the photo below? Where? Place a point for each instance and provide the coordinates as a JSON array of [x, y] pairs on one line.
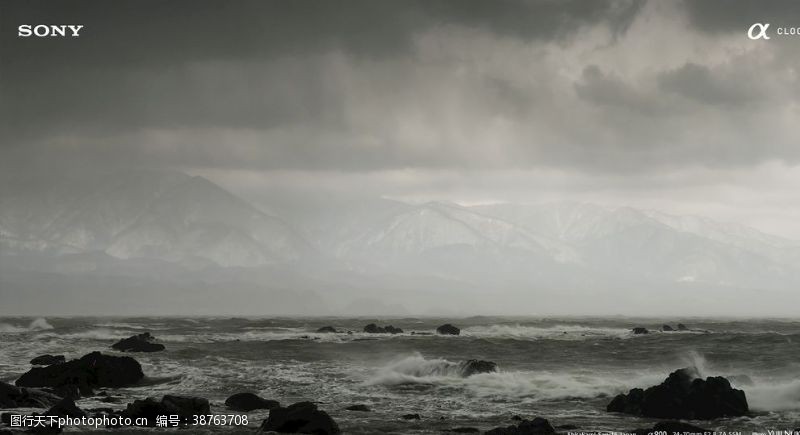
[[91, 371], [640, 331], [388, 329], [667, 328], [16, 397], [138, 343], [684, 396], [248, 401], [475, 366], [183, 407], [48, 360], [448, 329], [302, 417], [537, 426], [327, 329]]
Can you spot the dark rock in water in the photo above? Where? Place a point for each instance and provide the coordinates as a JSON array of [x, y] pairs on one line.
[[48, 360], [183, 407], [448, 329], [516, 418], [138, 343], [375, 329], [672, 427], [684, 396], [666, 328], [682, 327], [16, 397], [70, 391], [474, 366], [249, 401], [537, 426], [630, 403], [327, 329], [464, 430], [639, 331], [90, 371], [362, 408], [411, 417], [302, 417], [66, 408]]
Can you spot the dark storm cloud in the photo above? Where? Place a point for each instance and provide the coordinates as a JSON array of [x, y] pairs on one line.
[[134, 66], [699, 83], [604, 89], [364, 85], [737, 16]]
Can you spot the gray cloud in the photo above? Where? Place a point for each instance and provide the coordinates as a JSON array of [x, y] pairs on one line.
[[631, 90]]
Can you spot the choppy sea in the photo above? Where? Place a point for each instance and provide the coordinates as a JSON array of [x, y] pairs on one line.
[[562, 369]]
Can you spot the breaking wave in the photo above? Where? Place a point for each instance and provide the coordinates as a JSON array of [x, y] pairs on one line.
[[417, 369], [538, 385], [39, 324]]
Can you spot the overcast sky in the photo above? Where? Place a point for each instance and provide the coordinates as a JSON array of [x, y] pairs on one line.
[[662, 104]]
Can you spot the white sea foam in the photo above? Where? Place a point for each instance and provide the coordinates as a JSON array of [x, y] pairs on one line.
[[39, 324], [89, 334], [539, 385], [559, 332], [774, 395]]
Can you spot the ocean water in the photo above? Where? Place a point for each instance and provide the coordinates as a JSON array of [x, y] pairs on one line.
[[562, 369]]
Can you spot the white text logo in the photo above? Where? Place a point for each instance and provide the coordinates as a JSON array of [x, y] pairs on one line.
[[762, 31], [49, 30]]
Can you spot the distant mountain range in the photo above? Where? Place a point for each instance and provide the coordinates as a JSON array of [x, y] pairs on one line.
[[152, 224]]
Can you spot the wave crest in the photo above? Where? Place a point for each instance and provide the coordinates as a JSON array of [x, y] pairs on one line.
[[39, 324]]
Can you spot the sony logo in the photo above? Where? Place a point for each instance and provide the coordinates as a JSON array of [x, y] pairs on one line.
[[51, 30]]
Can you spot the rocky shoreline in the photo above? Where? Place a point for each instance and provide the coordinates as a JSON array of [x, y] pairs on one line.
[[54, 384]]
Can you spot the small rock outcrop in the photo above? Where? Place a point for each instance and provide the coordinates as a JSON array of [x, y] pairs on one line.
[[360, 408], [448, 329], [248, 401], [66, 408], [16, 397], [411, 417], [683, 396], [48, 360], [667, 328], [537, 426], [327, 329], [301, 417], [138, 343], [375, 329], [640, 331], [183, 407], [475, 366], [682, 327], [93, 370]]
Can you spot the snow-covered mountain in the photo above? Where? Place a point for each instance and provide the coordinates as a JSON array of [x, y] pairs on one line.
[[159, 215], [656, 246], [156, 219]]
